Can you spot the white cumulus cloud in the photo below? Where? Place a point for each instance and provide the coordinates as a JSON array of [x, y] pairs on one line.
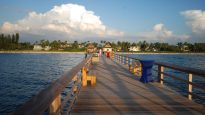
[[160, 33], [196, 20], [62, 22]]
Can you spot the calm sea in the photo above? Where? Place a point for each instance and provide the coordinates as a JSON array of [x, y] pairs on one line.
[[24, 75], [188, 60]]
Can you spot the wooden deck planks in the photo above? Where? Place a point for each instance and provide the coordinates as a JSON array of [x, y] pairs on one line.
[[119, 92]]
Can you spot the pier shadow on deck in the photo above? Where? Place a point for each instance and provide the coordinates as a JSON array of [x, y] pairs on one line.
[[120, 92]]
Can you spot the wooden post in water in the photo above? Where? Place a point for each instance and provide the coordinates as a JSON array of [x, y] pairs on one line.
[[160, 74], [54, 108], [190, 86]]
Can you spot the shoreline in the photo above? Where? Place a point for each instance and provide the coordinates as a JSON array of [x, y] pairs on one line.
[[65, 52], [39, 52]]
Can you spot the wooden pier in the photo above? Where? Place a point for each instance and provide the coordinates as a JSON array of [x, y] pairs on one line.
[[120, 92], [114, 90]]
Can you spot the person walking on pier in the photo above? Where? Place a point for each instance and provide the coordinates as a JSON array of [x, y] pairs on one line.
[[86, 55]]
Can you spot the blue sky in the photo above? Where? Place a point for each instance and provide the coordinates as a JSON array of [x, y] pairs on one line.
[[132, 17]]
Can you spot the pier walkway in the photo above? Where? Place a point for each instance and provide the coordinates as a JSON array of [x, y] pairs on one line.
[[120, 92]]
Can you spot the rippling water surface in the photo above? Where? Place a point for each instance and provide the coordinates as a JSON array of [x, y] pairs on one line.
[[24, 75], [188, 60]]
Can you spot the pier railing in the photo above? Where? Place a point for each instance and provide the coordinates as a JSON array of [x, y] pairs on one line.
[[125, 59], [48, 101]]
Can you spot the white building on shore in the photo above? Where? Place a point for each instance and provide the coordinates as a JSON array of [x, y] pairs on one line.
[[107, 48], [37, 47], [134, 48], [47, 48]]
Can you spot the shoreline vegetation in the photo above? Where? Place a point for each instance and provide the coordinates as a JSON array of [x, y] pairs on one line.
[[64, 52], [11, 43]]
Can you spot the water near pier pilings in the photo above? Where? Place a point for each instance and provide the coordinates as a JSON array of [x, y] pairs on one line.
[[24, 75]]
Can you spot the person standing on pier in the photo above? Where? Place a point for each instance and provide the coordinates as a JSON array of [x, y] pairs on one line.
[[100, 52], [86, 55]]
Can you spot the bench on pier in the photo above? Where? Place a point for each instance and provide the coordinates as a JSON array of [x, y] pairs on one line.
[[88, 76]]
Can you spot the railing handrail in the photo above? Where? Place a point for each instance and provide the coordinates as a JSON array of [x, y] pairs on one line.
[[39, 103], [189, 71], [127, 56], [194, 71]]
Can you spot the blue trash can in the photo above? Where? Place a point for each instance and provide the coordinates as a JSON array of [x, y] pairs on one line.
[[146, 71]]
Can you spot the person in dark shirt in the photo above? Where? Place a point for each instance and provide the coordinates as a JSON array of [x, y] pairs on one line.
[[86, 55]]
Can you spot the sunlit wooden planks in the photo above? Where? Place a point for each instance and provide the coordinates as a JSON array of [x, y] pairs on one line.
[[119, 92]]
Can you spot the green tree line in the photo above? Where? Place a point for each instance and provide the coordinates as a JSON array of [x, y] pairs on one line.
[[11, 42], [157, 46]]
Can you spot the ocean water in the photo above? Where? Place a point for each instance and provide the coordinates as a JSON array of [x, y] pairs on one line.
[[187, 60], [24, 75]]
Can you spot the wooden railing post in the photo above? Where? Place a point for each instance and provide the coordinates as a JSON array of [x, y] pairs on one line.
[[120, 59], [190, 86], [75, 88], [130, 65], [117, 58], [54, 108], [127, 60], [112, 56], [123, 60], [160, 74], [130, 61]]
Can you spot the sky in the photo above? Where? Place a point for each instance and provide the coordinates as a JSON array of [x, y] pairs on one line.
[[169, 21]]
